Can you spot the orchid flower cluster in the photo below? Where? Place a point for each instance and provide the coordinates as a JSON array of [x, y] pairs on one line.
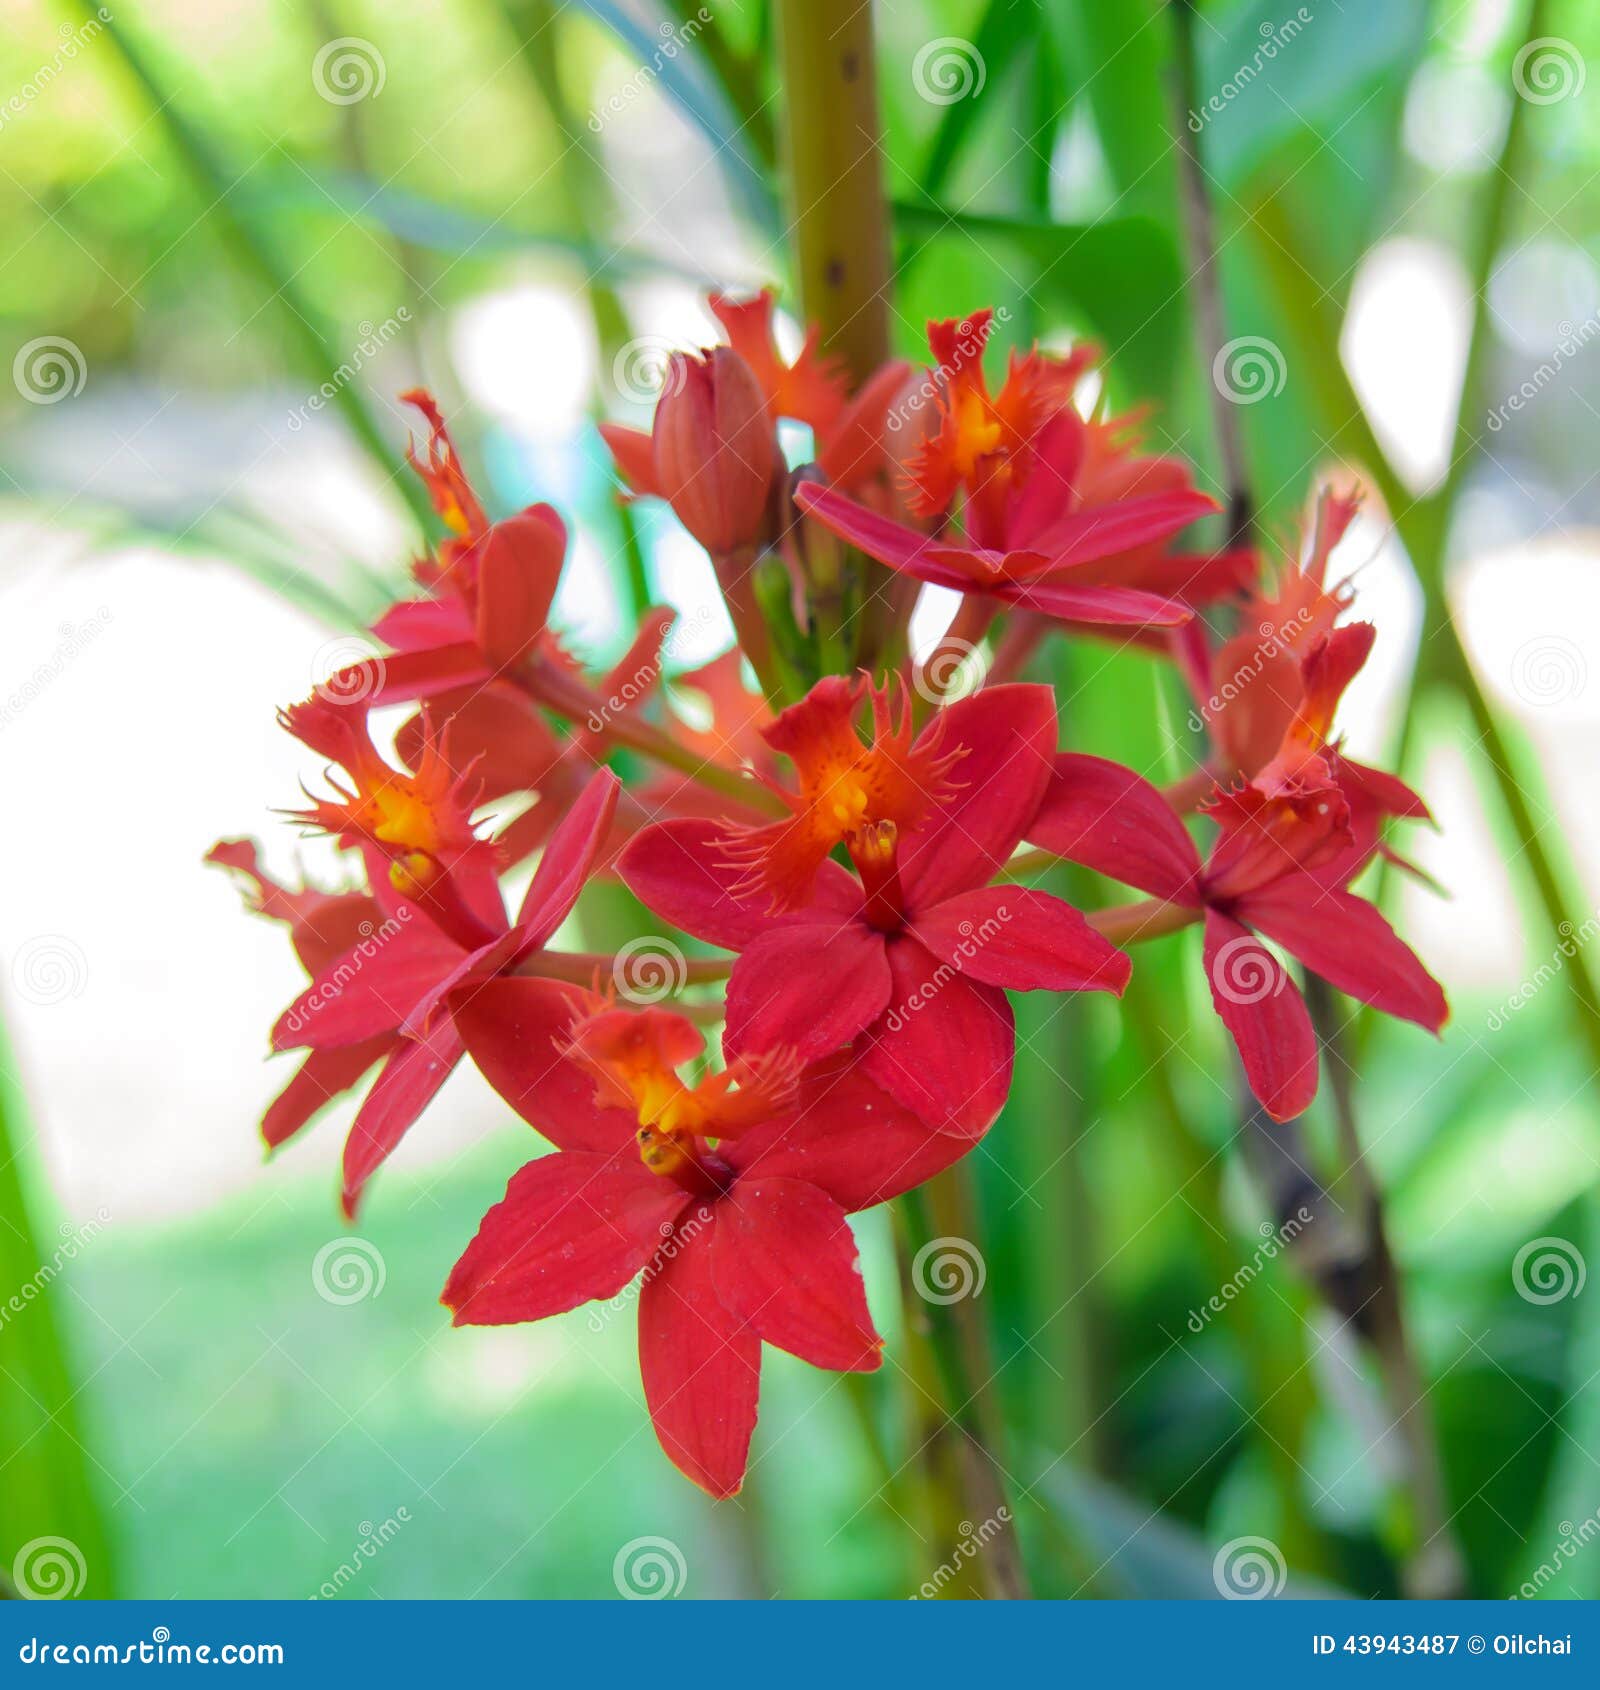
[[843, 844]]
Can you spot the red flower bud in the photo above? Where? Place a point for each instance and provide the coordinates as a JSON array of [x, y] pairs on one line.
[[716, 449]]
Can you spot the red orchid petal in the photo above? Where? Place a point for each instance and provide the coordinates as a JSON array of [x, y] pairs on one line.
[[944, 1049], [1387, 793], [1103, 606], [512, 1028], [424, 624], [634, 452], [498, 730], [1025, 940], [1262, 1008], [519, 564], [890, 542], [701, 1365], [405, 675], [849, 1138], [568, 860], [572, 1227], [1345, 940], [1104, 530], [807, 988], [680, 870], [785, 1262], [1050, 489], [1009, 735], [403, 1089], [317, 1081], [1100, 814], [371, 989]]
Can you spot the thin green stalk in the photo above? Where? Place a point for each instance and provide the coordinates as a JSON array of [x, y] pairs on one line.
[[250, 242]]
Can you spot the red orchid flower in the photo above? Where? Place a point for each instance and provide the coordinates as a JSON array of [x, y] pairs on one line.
[[489, 590], [442, 929], [1268, 872], [730, 1196], [907, 958], [1017, 456]]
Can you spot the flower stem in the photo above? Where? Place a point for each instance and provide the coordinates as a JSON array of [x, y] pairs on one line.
[[944, 1209]]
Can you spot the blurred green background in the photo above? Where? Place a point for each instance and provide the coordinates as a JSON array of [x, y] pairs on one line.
[[233, 232]]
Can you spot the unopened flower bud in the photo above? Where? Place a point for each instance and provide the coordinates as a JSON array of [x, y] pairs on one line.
[[716, 449]]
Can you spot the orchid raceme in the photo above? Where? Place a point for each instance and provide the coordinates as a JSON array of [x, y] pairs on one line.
[[836, 841]]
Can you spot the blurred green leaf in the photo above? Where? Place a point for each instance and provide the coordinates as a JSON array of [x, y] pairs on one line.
[[46, 1491]]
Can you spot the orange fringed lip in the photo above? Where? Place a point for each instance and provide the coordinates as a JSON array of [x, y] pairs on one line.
[[847, 788]]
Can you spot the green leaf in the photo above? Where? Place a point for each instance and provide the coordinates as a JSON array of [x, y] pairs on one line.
[[1120, 276], [46, 1491], [1266, 74]]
